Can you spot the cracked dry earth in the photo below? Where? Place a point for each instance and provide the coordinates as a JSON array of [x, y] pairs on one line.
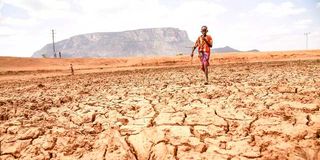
[[248, 111]]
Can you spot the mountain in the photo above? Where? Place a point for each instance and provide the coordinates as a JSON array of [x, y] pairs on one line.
[[141, 42], [224, 50], [253, 50], [227, 49]]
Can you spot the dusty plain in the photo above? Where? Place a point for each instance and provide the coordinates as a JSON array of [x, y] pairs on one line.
[[257, 106]]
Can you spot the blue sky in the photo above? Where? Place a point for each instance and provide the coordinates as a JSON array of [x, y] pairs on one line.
[[267, 25]]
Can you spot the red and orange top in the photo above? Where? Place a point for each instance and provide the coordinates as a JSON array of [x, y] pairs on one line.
[[202, 45]]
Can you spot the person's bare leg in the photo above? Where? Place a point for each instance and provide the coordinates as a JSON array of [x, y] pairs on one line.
[[206, 73]]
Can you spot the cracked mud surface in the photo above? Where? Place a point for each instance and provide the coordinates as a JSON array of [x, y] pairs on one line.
[[248, 111]]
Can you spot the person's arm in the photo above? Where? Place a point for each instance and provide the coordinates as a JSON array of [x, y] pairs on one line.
[[208, 42], [194, 47]]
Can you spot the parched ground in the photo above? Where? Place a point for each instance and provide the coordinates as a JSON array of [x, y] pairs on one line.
[[248, 111]]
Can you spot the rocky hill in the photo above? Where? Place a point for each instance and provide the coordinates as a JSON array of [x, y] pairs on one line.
[[141, 42]]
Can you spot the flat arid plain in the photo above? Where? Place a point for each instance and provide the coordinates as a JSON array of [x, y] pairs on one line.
[[261, 105]]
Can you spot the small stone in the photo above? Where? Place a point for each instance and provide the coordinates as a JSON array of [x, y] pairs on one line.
[[223, 145], [123, 121], [287, 89]]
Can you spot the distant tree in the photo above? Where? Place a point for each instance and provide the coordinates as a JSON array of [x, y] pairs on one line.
[[43, 56]]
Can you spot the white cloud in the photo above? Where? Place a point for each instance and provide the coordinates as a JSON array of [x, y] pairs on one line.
[[271, 27], [42, 9], [72, 17], [1, 5], [281, 10], [146, 13], [302, 24], [318, 5], [9, 21], [6, 31], [257, 28]]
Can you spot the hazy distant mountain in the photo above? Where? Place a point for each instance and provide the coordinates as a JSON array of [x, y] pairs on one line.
[[227, 49], [141, 42], [253, 50], [224, 50]]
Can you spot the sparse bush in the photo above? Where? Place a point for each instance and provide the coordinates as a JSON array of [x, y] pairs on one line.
[[179, 54]]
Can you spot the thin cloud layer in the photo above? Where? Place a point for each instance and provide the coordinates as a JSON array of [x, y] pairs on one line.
[[25, 26], [279, 10]]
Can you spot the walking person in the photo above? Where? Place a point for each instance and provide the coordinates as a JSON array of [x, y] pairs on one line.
[[71, 68], [204, 45]]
